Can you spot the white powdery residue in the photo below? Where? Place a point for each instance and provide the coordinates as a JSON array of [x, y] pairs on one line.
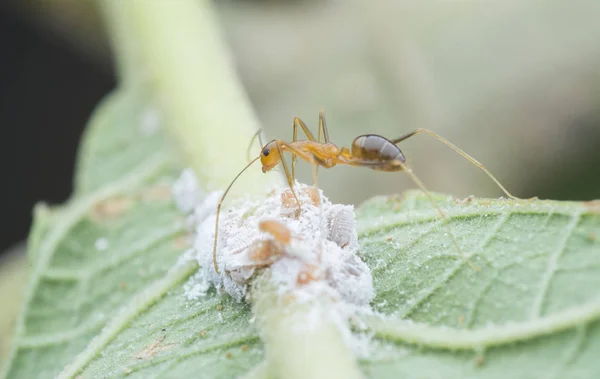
[[101, 244], [186, 191], [150, 121], [358, 341], [188, 256], [196, 287], [318, 261], [351, 277], [207, 207]]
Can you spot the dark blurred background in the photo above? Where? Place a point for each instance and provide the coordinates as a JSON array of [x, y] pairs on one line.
[[515, 83], [48, 88]]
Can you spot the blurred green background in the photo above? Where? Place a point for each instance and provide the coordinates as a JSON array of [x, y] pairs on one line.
[[514, 83]]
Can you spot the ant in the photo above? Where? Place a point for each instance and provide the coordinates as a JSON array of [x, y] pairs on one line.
[[369, 150]]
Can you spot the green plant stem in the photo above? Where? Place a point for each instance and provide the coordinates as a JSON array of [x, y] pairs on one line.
[[128, 60], [301, 340], [176, 47]]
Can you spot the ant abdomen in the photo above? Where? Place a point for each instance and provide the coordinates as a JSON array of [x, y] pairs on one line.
[[382, 152]]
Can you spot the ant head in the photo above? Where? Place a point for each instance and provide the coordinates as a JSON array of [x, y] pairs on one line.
[[269, 156]]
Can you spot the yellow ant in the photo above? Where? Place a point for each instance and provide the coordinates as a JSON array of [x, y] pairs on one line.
[[370, 150]]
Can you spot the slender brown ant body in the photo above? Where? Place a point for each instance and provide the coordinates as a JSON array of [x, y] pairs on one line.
[[370, 150]]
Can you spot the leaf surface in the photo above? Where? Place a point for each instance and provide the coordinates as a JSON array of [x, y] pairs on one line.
[[106, 296], [530, 311]]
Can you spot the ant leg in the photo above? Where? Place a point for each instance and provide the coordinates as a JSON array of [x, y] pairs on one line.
[[294, 139], [315, 168], [420, 184], [309, 135], [323, 135], [323, 127], [290, 179], [459, 151]]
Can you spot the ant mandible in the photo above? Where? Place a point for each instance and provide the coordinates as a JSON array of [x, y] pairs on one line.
[[369, 150]]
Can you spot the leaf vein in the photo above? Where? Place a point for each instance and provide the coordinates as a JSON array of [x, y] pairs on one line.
[[538, 303], [473, 339], [448, 274]]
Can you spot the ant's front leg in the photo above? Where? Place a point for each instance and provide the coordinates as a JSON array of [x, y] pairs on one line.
[[280, 145], [297, 122]]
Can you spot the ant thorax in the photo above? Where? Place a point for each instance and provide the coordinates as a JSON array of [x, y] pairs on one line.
[[306, 253]]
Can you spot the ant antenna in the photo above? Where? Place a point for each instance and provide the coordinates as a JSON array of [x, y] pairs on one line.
[[258, 133], [420, 184], [219, 211]]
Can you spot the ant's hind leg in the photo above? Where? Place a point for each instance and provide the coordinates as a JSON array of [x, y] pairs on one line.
[[459, 151], [420, 184]]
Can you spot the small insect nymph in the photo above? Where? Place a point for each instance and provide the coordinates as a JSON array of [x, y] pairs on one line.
[[370, 150], [265, 252]]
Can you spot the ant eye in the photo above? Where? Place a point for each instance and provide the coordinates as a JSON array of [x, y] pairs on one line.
[[266, 152]]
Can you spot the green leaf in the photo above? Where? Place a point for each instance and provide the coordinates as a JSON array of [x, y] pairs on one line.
[[125, 129], [531, 310], [105, 295]]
